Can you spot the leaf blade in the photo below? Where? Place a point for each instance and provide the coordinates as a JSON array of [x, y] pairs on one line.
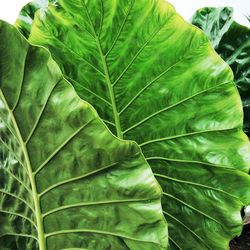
[[60, 139], [156, 62]]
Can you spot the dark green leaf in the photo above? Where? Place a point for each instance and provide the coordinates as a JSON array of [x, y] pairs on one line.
[[65, 181], [232, 41], [155, 79]]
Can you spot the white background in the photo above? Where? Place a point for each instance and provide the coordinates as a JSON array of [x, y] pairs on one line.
[[9, 9]]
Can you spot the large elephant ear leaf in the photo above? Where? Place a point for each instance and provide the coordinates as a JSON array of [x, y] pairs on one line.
[[155, 79], [65, 181], [232, 41]]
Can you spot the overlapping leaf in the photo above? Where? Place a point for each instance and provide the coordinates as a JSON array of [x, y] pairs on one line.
[[65, 181], [232, 41], [155, 79], [26, 18]]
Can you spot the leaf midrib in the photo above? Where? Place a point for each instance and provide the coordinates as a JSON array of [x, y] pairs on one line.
[[119, 133], [111, 93], [38, 214]]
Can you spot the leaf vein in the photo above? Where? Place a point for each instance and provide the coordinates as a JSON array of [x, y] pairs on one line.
[[77, 178], [19, 235], [120, 30], [189, 229], [40, 114], [152, 36], [19, 215], [95, 203], [17, 179], [195, 184], [173, 105], [88, 90], [185, 135], [193, 208], [13, 154], [60, 147], [97, 232], [189, 161], [18, 198]]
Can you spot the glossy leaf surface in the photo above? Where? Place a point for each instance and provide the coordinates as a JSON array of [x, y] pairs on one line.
[[155, 79], [65, 181], [232, 41]]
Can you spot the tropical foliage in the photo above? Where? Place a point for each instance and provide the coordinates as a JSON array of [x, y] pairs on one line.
[[65, 181], [154, 79]]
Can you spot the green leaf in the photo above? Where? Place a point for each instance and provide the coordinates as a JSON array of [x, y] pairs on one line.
[[155, 79], [232, 41], [215, 22], [25, 19], [65, 181]]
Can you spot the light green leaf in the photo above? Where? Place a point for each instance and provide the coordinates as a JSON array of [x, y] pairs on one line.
[[65, 181], [155, 79], [232, 41]]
